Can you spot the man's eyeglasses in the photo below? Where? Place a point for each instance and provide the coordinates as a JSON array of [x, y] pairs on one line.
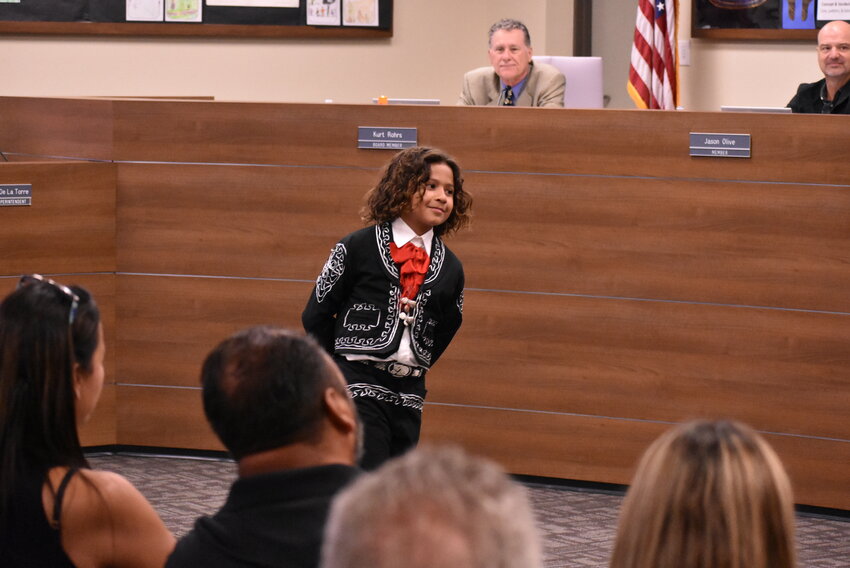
[[28, 279]]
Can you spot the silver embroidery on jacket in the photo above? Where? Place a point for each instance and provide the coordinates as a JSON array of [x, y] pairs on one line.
[[387, 335], [331, 273], [418, 335], [383, 236], [438, 255], [362, 317], [386, 395]]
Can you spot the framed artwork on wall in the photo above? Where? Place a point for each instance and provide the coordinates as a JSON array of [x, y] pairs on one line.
[[761, 19], [320, 19]]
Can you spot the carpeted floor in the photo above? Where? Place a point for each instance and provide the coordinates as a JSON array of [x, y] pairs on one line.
[[578, 526]]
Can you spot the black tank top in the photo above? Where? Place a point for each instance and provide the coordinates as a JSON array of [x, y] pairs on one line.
[[29, 540]]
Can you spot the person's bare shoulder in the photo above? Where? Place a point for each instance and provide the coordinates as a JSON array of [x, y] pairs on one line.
[[111, 490], [109, 522]]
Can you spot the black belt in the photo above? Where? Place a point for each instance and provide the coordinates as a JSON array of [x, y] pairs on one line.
[[394, 368]]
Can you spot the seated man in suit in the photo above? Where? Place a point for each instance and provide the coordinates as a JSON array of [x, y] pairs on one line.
[[280, 406], [830, 95], [513, 79]]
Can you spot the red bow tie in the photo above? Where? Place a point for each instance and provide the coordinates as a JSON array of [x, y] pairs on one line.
[[414, 264]]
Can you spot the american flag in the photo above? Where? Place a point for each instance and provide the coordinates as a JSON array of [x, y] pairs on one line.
[[654, 70]]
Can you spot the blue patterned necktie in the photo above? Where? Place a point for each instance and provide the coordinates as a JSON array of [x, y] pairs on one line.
[[508, 99]]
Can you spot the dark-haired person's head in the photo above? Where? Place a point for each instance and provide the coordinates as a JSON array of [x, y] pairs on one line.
[[405, 178], [267, 387], [51, 375]]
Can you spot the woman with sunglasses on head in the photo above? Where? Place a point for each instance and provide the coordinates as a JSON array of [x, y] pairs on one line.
[[54, 510]]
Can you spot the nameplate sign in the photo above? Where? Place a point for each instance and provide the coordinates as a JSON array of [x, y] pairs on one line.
[[385, 138], [720, 145], [15, 195]]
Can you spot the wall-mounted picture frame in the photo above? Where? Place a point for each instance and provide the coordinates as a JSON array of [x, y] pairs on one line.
[[758, 19], [289, 19]]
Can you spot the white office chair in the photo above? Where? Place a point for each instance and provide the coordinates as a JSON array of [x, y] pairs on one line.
[[584, 79]]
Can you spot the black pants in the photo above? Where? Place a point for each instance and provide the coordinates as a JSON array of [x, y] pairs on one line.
[[390, 410]]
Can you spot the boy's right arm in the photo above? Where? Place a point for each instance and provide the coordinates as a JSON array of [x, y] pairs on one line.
[[330, 291]]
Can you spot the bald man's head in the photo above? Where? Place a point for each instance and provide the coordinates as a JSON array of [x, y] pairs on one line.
[[834, 52]]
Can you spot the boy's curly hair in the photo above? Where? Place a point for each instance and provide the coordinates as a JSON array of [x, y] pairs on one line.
[[404, 177]]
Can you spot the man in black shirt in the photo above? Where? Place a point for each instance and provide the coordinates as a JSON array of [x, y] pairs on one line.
[[830, 95], [280, 406]]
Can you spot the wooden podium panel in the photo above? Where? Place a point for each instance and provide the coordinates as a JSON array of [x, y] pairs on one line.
[[67, 233], [615, 285], [164, 417], [170, 324], [576, 141], [817, 467], [640, 361], [771, 245], [796, 149], [547, 445], [70, 226], [43, 128], [593, 448], [270, 222]]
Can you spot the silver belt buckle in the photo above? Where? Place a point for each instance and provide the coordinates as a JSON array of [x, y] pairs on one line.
[[398, 370]]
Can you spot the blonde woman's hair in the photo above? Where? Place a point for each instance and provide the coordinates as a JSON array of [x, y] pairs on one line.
[[707, 495]]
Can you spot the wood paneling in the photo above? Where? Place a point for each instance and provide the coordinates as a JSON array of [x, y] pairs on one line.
[[576, 141], [817, 468], [615, 285], [270, 222], [170, 324], [70, 226], [606, 450], [164, 417], [73, 128], [775, 245], [100, 430], [550, 445], [780, 371], [760, 245]]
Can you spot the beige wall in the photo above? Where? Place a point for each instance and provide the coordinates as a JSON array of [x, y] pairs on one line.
[[744, 73], [434, 42]]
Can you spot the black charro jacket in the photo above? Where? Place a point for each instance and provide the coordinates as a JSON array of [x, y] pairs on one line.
[[354, 307]]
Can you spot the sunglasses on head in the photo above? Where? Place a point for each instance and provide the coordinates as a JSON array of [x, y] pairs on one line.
[[29, 279]]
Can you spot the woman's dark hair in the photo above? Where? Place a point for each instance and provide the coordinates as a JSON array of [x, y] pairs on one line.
[[404, 177], [38, 350]]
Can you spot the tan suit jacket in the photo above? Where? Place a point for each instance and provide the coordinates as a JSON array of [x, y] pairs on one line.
[[543, 88]]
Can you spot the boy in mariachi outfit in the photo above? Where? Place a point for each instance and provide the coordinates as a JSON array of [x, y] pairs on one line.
[[390, 296]]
